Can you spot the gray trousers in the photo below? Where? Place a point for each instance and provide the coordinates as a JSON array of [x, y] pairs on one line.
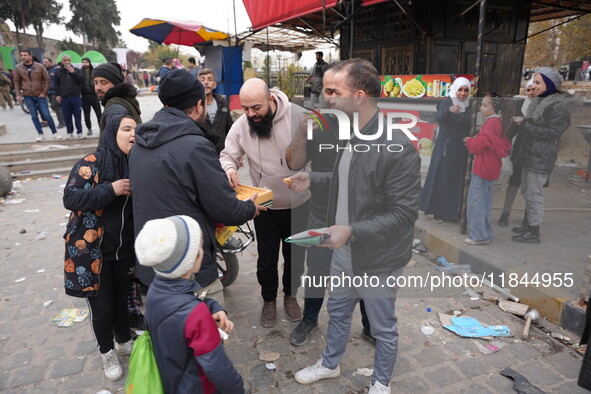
[[532, 189], [379, 305], [57, 108]]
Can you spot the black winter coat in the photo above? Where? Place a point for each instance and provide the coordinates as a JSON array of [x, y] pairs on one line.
[[221, 124], [174, 170], [120, 100], [68, 84], [87, 83], [548, 118]]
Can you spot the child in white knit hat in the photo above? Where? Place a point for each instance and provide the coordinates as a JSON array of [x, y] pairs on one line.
[[183, 327]]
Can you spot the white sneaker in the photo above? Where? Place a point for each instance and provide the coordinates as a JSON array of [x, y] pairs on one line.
[[80, 136], [70, 136], [378, 388], [113, 370], [41, 137], [470, 241], [315, 373], [124, 349], [56, 136]]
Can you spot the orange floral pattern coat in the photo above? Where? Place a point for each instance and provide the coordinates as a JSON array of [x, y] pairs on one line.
[[84, 232]]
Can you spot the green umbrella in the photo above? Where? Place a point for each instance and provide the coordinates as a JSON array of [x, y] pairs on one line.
[[95, 57]]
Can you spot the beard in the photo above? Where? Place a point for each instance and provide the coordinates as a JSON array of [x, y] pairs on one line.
[[263, 127]]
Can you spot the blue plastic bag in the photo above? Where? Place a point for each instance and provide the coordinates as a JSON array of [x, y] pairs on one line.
[[469, 327]]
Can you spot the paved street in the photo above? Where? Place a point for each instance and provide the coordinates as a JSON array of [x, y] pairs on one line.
[[38, 357]]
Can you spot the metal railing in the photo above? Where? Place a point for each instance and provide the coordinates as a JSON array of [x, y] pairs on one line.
[[294, 85]]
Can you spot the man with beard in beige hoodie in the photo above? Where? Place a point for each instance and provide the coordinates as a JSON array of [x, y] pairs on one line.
[[263, 135]]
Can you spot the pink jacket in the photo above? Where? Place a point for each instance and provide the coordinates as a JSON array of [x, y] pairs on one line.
[[266, 157]]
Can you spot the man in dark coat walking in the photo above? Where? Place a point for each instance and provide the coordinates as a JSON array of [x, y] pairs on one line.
[[174, 170], [89, 98]]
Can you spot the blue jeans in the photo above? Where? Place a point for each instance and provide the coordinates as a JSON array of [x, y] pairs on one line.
[[72, 106], [479, 209], [318, 263], [38, 103], [380, 306]]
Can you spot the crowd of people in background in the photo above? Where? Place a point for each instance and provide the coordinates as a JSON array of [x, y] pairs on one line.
[[122, 233], [545, 116]]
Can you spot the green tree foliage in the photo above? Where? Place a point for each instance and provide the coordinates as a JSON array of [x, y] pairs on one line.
[[156, 52], [286, 79], [25, 13], [44, 13], [559, 45], [65, 45], [95, 20], [576, 35]]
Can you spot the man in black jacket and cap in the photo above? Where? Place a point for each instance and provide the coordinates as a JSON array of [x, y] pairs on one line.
[[89, 98], [117, 97], [67, 93], [174, 170]]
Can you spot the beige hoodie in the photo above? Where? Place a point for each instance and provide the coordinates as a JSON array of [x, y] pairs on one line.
[[266, 157]]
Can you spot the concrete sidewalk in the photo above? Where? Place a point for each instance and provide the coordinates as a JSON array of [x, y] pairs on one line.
[[20, 128], [566, 232]]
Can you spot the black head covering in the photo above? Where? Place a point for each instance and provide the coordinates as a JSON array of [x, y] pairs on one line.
[[180, 89], [89, 67], [110, 71], [112, 161]]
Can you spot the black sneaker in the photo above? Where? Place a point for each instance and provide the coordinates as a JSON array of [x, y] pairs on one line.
[[368, 337], [136, 320], [519, 230], [302, 332]]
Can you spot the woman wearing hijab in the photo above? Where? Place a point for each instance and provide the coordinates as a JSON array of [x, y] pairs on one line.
[[548, 117], [443, 189], [515, 179], [99, 239]]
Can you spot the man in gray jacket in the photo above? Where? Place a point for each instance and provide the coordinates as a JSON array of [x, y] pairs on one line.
[[373, 204]]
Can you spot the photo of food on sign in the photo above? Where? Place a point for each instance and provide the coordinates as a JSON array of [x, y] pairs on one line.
[[431, 88], [416, 86]]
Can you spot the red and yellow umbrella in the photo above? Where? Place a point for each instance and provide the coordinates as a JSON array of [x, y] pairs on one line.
[[178, 32]]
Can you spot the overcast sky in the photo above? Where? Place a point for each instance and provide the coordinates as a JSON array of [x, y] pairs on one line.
[[215, 14]]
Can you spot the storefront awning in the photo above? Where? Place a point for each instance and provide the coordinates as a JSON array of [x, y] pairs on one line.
[[542, 10], [263, 13]]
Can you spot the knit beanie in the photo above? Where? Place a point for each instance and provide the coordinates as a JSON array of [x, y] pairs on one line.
[[181, 90], [110, 71], [551, 78], [169, 245]]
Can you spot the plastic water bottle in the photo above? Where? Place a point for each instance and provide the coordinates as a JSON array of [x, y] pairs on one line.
[[456, 269], [42, 235]]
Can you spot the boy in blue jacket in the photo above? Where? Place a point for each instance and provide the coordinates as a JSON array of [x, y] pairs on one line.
[[182, 323]]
